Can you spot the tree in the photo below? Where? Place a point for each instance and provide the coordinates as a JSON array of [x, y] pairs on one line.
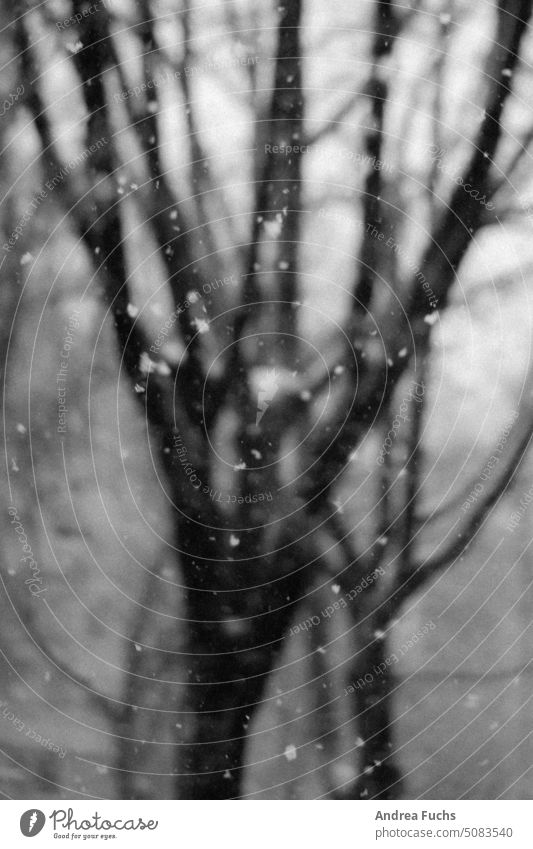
[[255, 426]]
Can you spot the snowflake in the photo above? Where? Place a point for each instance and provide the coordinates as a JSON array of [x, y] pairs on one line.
[[201, 324]]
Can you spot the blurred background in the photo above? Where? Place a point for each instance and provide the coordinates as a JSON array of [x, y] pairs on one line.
[[387, 102]]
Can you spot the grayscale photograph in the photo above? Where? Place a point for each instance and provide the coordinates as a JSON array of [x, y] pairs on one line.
[[266, 315]]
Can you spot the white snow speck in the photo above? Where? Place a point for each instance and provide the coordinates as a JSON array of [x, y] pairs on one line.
[[273, 228], [234, 541], [338, 370], [403, 352], [146, 364], [132, 310], [336, 589], [257, 454], [26, 258], [379, 635], [431, 317], [201, 324], [240, 466], [138, 647], [445, 18], [283, 265], [21, 428], [339, 505], [290, 752]]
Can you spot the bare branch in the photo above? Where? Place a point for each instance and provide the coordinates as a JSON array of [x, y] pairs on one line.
[[386, 27], [481, 511]]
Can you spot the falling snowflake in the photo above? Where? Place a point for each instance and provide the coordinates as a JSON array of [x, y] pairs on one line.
[[26, 258], [201, 324], [273, 228], [146, 364], [290, 752], [234, 541], [163, 368]]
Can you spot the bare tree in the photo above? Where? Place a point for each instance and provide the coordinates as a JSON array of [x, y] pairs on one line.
[[247, 561]]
